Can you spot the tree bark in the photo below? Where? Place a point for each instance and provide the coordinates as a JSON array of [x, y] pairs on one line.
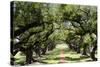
[[84, 49], [93, 53], [44, 50], [78, 49], [29, 54]]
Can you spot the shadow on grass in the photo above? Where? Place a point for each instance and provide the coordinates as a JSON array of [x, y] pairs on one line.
[[76, 59], [68, 58]]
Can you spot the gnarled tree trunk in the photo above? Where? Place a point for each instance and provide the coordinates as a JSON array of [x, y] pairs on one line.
[[29, 54], [84, 49], [93, 53]]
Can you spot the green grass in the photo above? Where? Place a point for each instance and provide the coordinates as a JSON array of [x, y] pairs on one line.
[[69, 56], [20, 58], [54, 56]]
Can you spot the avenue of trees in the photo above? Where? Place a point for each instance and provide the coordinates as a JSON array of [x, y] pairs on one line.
[[38, 27]]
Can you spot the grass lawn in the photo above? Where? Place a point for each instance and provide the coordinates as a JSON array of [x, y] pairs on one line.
[[54, 56]]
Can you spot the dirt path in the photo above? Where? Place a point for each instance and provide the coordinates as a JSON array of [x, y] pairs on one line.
[[62, 54]]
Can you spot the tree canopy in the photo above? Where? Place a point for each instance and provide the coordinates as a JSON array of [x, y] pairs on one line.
[[37, 27]]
